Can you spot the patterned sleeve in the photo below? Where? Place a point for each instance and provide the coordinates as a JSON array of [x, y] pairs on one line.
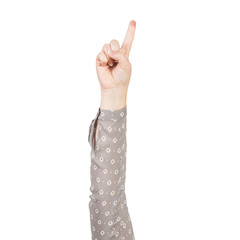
[[109, 214]]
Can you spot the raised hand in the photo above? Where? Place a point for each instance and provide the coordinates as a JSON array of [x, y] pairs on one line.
[[113, 66]]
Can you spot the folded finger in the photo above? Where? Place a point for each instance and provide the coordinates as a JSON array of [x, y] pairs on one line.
[[101, 59], [105, 49], [115, 45]]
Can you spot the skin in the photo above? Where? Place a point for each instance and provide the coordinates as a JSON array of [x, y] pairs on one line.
[[114, 71]]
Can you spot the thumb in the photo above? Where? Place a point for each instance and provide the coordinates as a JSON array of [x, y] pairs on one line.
[[120, 57]]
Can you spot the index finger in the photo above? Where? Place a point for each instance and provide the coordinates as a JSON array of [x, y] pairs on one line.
[[127, 42]]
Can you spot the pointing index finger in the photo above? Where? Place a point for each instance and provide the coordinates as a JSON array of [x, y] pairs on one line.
[[127, 42]]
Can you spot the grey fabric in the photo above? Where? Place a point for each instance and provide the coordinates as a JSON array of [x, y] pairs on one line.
[[109, 216]]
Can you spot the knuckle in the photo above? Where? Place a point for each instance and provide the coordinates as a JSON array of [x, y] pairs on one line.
[[115, 42], [105, 49], [115, 45], [101, 56], [105, 46], [98, 56]]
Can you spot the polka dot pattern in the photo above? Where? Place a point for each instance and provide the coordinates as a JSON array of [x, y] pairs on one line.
[[109, 215]]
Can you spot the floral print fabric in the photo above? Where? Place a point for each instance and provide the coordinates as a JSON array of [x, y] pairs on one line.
[[109, 216]]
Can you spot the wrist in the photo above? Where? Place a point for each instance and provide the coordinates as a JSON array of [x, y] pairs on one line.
[[113, 99]]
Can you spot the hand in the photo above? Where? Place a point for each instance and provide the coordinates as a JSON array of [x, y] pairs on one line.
[[114, 70]]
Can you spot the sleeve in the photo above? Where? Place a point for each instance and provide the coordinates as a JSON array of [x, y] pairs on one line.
[[109, 214]]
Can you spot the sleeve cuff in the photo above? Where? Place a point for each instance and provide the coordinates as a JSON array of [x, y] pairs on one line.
[[115, 115]]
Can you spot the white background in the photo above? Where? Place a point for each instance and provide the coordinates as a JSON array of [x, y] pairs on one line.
[[183, 136]]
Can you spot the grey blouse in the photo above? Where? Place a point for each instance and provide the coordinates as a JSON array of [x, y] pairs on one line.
[[109, 216]]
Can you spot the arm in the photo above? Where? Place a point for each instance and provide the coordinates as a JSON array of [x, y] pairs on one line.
[[109, 214], [108, 205]]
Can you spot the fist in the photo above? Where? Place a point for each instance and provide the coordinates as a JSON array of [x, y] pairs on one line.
[[112, 63]]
